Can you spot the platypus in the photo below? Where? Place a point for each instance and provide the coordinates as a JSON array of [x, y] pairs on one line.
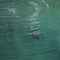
[[35, 35]]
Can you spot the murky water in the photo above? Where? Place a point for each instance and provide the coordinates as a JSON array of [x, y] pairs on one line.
[[29, 30]]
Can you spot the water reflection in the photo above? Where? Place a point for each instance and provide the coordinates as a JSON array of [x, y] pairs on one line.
[[12, 10]]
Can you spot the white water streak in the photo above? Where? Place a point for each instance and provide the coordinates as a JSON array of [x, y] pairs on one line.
[[37, 10], [34, 18], [45, 3]]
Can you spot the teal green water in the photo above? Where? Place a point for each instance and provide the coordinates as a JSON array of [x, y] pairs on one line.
[[29, 30]]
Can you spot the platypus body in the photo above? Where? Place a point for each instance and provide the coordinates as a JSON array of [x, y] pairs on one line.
[[35, 35]]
